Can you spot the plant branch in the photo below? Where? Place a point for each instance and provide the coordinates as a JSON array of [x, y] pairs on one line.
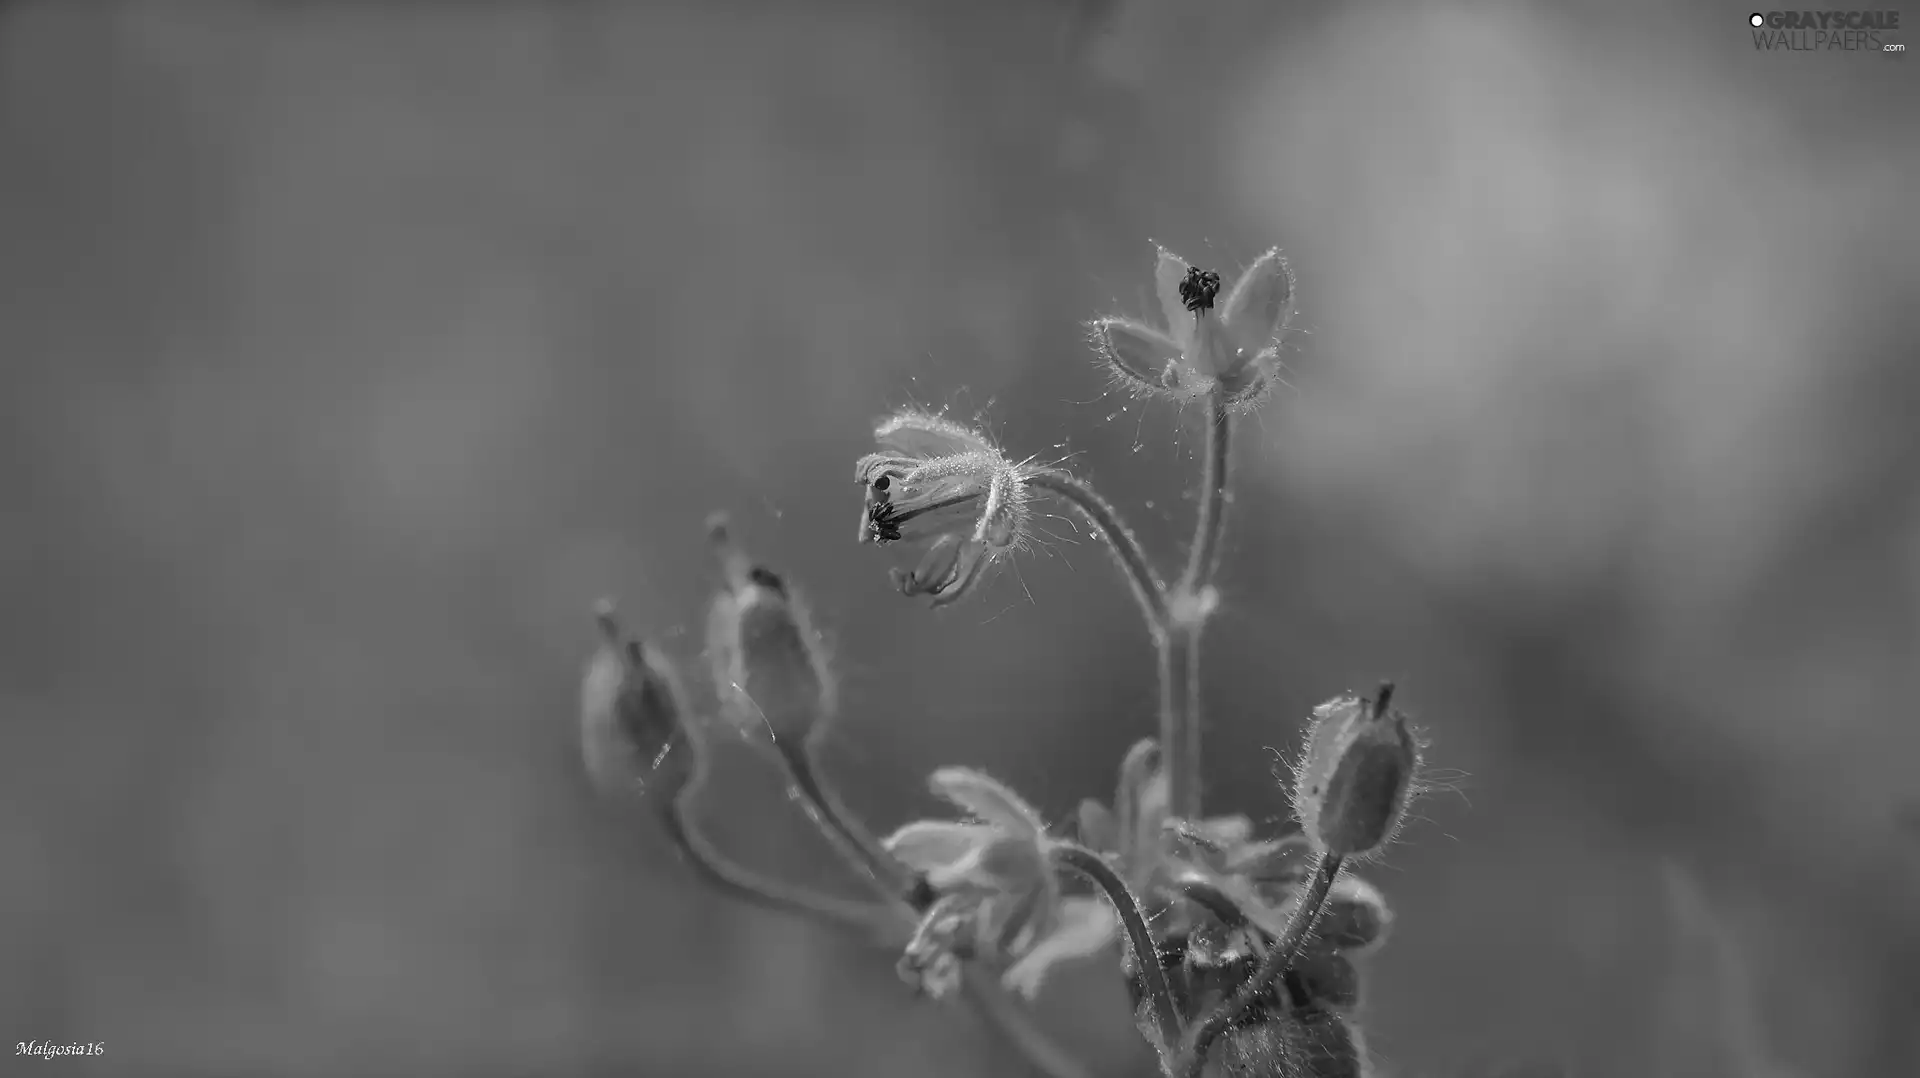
[[1145, 955], [1189, 605], [730, 877], [1313, 899], [849, 838], [1179, 719], [1147, 588]]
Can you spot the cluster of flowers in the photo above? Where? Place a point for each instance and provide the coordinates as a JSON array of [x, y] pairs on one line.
[[1239, 950]]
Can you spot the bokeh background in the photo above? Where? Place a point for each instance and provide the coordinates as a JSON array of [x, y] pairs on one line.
[[351, 350]]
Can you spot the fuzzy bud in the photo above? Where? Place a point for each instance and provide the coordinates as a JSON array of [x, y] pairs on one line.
[[633, 732], [769, 666], [1355, 779]]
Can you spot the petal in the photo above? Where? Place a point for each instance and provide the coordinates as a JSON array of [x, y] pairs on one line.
[[1013, 919], [1137, 770], [1224, 832], [1096, 827], [925, 845], [947, 571], [1139, 356], [1082, 928], [943, 495], [1269, 859], [1260, 303], [1168, 272], [988, 799], [917, 434], [1356, 917]]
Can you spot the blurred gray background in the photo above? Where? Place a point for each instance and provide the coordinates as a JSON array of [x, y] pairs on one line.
[[351, 350]]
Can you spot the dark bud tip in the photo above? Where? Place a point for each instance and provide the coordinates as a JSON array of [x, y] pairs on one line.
[[767, 579], [1199, 289]]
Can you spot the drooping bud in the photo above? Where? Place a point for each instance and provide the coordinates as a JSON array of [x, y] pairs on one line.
[[1354, 781], [769, 665], [634, 737]]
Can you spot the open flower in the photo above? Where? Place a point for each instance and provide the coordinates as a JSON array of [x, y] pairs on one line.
[[995, 891], [1157, 853], [937, 481], [1232, 344], [1163, 859]]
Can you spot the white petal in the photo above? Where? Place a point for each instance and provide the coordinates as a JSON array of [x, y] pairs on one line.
[[988, 799], [917, 434], [1260, 303], [1141, 357], [924, 845], [1083, 928], [1168, 272]]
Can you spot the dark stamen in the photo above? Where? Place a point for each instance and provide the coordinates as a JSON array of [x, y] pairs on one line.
[[767, 579], [1199, 288], [1382, 697]]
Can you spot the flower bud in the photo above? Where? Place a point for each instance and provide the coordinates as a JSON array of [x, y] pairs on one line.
[[769, 666], [633, 734], [1355, 779]]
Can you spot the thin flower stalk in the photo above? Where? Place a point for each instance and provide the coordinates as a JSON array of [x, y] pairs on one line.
[[728, 876], [1313, 899], [1145, 955]]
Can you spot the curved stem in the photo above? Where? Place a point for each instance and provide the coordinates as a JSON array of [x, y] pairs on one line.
[[1145, 954], [849, 838], [730, 877], [1313, 899], [1147, 589]]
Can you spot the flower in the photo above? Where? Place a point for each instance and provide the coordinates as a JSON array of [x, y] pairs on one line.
[[1233, 348], [1157, 853], [936, 480], [995, 891]]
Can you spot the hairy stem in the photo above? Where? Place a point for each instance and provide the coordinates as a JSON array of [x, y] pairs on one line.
[[844, 831], [1145, 955], [1147, 589], [1313, 899], [730, 877], [1189, 605], [1179, 719]]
